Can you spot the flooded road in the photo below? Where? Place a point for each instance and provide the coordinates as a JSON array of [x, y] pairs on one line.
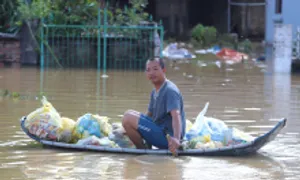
[[245, 96]]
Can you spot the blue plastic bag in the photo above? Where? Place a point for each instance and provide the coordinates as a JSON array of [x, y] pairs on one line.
[[87, 125]]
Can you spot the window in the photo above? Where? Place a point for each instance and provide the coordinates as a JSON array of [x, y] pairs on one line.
[[278, 6]]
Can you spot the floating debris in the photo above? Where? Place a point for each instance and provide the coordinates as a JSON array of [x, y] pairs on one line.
[[104, 76]]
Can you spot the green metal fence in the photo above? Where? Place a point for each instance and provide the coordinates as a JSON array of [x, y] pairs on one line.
[[100, 46]]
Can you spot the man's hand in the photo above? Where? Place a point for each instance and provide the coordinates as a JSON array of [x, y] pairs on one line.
[[173, 144]]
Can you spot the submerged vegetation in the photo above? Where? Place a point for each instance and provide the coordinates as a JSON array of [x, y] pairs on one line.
[[5, 93]]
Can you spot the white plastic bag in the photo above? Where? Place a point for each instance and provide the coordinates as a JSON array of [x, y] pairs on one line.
[[204, 126], [119, 136], [173, 52], [95, 141]]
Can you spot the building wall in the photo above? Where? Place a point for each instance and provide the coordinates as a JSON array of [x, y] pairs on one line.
[[180, 16], [248, 21], [174, 15], [9, 50], [290, 15], [220, 15]]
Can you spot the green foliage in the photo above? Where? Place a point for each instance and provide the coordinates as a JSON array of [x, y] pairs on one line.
[[79, 12], [15, 94], [74, 12], [37, 9], [8, 16], [204, 35], [198, 32], [4, 92], [207, 36], [245, 46], [131, 15], [228, 40]]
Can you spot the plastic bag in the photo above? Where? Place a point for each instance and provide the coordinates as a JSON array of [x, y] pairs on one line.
[[121, 141], [232, 55], [173, 52], [239, 136], [65, 132], [93, 140], [188, 125], [44, 122], [105, 127], [205, 145], [118, 135], [207, 126], [89, 125], [192, 144]]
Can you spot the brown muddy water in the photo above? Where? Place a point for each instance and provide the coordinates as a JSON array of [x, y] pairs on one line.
[[245, 96]]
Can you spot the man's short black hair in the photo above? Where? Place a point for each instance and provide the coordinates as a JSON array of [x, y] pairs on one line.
[[159, 60]]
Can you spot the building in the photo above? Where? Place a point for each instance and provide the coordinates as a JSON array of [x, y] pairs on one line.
[[244, 17], [180, 16], [281, 11]]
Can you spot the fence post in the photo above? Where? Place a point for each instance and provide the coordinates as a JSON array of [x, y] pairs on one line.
[[105, 43], [99, 42], [42, 43], [161, 38]]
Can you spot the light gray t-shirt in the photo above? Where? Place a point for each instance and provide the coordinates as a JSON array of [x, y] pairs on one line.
[[162, 102]]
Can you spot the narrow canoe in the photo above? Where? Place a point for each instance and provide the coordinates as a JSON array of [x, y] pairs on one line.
[[244, 149]]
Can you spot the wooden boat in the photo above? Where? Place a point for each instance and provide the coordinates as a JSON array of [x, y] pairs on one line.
[[243, 149]]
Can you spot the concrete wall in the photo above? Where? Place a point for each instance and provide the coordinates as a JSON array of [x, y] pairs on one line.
[[9, 50], [248, 21], [180, 16], [290, 15], [174, 15]]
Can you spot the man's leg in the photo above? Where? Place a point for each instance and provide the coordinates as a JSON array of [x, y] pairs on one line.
[[130, 123]]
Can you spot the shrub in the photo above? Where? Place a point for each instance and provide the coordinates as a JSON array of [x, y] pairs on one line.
[[204, 35], [228, 40], [245, 46]]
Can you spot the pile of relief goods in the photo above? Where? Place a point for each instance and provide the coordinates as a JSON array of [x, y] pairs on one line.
[[92, 129]]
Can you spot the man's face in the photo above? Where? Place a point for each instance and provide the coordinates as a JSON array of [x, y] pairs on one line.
[[154, 72]]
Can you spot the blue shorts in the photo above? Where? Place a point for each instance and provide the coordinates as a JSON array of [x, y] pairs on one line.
[[152, 133]]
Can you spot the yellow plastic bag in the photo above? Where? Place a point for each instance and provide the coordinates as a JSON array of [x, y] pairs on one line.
[[240, 136], [105, 127], [198, 142], [188, 125], [64, 134], [44, 122]]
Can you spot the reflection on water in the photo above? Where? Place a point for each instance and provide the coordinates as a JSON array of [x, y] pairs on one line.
[[247, 96]]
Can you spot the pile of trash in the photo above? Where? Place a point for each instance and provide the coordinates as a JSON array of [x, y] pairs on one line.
[[212, 50], [225, 54], [92, 129], [172, 51]]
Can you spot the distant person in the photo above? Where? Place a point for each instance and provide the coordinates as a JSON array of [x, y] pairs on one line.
[[165, 113]]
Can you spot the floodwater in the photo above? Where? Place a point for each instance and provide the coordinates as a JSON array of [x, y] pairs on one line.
[[245, 95]]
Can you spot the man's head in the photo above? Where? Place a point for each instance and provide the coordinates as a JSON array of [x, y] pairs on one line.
[[155, 70]]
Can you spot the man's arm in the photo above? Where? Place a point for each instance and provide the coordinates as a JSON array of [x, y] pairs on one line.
[[176, 121], [150, 105], [149, 114], [173, 107]]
